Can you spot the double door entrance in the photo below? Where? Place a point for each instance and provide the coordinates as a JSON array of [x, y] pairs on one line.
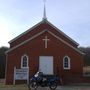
[[46, 64]]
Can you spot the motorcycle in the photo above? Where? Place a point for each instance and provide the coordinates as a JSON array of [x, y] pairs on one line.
[[39, 79]]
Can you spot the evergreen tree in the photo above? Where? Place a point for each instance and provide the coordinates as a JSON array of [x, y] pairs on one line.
[[2, 61]]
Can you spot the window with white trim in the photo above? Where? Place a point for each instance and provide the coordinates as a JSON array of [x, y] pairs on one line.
[[66, 62], [24, 61]]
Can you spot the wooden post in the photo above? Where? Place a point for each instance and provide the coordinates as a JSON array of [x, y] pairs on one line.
[[28, 77], [14, 75]]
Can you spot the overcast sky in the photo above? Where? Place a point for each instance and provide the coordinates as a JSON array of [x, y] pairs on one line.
[[70, 16]]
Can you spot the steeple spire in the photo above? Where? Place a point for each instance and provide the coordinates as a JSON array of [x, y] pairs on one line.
[[44, 13]]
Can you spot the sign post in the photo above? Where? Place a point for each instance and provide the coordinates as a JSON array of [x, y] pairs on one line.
[[14, 76]]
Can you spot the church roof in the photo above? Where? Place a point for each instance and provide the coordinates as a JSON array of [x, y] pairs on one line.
[[44, 21]]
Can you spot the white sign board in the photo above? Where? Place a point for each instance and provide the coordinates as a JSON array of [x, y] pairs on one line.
[[21, 74]]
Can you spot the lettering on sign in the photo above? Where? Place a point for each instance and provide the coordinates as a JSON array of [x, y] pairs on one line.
[[21, 74]]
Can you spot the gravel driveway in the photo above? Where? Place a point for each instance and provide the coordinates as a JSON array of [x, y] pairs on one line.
[[67, 88]]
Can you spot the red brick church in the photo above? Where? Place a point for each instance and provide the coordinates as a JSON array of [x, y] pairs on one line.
[[46, 48]]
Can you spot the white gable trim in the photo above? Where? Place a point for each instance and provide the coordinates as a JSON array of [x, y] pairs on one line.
[[38, 25], [26, 41], [40, 34], [30, 29], [65, 42], [63, 33]]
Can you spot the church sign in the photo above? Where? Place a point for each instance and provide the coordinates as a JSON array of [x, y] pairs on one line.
[[21, 74]]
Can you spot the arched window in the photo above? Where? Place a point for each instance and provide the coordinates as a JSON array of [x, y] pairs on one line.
[[66, 62], [24, 61]]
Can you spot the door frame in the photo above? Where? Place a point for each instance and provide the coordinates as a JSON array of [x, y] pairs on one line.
[[52, 62]]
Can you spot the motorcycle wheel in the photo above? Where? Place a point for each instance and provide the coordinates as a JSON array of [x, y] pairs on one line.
[[33, 86], [53, 85]]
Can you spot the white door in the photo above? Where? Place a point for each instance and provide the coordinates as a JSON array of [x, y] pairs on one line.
[[46, 64]]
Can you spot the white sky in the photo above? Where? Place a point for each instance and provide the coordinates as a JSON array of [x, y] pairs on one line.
[[70, 16]]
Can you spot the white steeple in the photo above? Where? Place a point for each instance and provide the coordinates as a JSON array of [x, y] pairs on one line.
[[44, 13]]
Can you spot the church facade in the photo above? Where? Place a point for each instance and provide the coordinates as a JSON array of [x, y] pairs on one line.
[[47, 49]]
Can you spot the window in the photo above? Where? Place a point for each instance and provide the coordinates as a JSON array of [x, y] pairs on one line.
[[66, 62], [24, 61]]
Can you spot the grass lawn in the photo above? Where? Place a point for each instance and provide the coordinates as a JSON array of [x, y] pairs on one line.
[[13, 87]]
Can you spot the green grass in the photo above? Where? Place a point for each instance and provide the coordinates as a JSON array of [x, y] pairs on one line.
[[13, 87]]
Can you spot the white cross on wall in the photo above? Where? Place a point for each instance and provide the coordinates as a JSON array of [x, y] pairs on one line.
[[46, 41]]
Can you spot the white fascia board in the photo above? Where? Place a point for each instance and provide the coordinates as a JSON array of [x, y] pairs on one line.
[[63, 33], [38, 25], [42, 33], [25, 41], [65, 42], [30, 29]]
